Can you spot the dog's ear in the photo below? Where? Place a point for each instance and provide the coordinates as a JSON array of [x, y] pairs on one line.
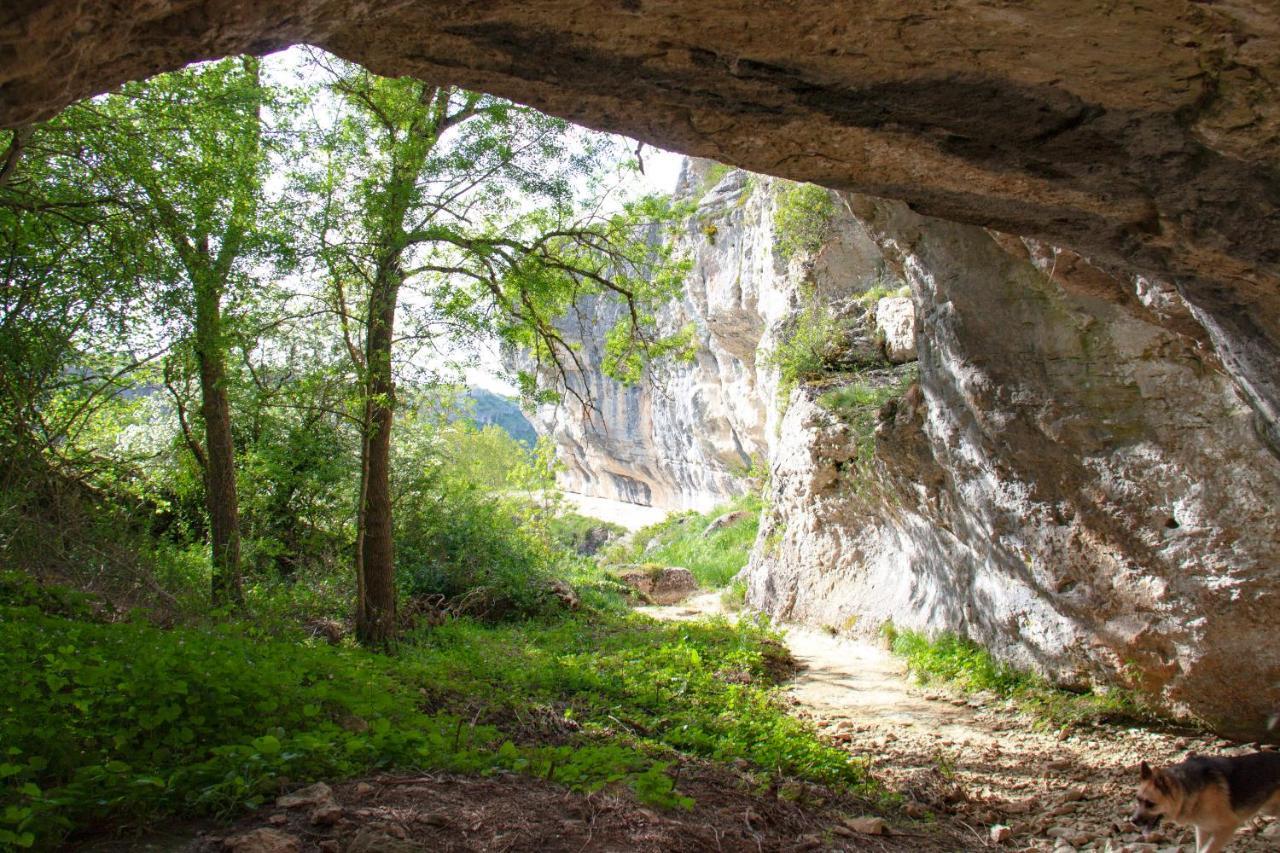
[[1144, 771]]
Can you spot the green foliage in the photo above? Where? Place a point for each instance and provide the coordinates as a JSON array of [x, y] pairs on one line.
[[734, 596], [960, 662], [129, 722], [703, 689], [18, 589], [472, 549], [803, 219], [465, 530], [716, 172], [809, 347], [882, 288], [581, 534], [679, 541], [858, 404]]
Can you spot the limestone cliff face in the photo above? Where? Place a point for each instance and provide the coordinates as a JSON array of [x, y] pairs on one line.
[[1066, 472], [686, 436], [1075, 482]]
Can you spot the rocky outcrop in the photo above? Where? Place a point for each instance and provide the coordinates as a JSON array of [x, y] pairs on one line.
[[687, 435], [660, 584], [1145, 136], [1075, 482]]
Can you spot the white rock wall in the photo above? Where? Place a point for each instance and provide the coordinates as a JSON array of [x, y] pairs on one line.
[[1075, 480], [685, 436]]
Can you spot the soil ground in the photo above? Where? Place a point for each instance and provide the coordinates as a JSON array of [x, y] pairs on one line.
[[977, 762]]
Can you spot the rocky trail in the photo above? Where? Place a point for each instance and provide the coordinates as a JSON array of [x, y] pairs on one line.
[[979, 763]]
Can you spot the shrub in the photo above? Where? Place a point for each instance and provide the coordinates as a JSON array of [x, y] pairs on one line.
[[808, 348], [803, 219], [479, 552]]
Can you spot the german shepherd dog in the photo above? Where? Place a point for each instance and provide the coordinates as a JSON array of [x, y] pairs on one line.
[[1216, 795]]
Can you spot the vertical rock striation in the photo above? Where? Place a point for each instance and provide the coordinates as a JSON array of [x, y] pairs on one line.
[[687, 435]]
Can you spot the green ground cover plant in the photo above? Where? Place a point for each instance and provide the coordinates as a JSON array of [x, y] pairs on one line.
[[679, 540], [127, 722], [961, 663]]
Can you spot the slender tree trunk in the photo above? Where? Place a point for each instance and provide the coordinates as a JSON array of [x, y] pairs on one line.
[[220, 468], [376, 608]]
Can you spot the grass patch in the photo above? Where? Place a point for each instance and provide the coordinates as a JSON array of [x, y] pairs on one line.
[[582, 534], [882, 288], [858, 404], [961, 663], [716, 172], [734, 596], [713, 558]]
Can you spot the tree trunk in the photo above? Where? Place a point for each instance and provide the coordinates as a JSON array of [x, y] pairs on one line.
[[220, 469], [376, 607]]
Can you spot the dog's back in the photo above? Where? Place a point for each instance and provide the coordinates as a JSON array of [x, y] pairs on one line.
[[1252, 781]]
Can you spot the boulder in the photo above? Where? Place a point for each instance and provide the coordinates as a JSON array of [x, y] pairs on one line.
[[661, 585], [896, 321], [723, 521], [312, 795]]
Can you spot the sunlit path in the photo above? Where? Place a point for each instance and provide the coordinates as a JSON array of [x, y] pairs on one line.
[[975, 759]]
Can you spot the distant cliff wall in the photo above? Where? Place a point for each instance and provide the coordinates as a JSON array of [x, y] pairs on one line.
[[687, 436]]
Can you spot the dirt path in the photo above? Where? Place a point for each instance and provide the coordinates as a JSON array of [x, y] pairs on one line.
[[978, 761]]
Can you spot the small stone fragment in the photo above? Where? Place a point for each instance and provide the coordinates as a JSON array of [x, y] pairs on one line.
[[326, 814], [312, 795], [1000, 833], [263, 841], [866, 825]]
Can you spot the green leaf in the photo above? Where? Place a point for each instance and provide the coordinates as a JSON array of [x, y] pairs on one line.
[[267, 744]]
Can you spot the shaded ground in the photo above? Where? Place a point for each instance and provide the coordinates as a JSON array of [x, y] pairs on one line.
[[507, 812], [977, 762]]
